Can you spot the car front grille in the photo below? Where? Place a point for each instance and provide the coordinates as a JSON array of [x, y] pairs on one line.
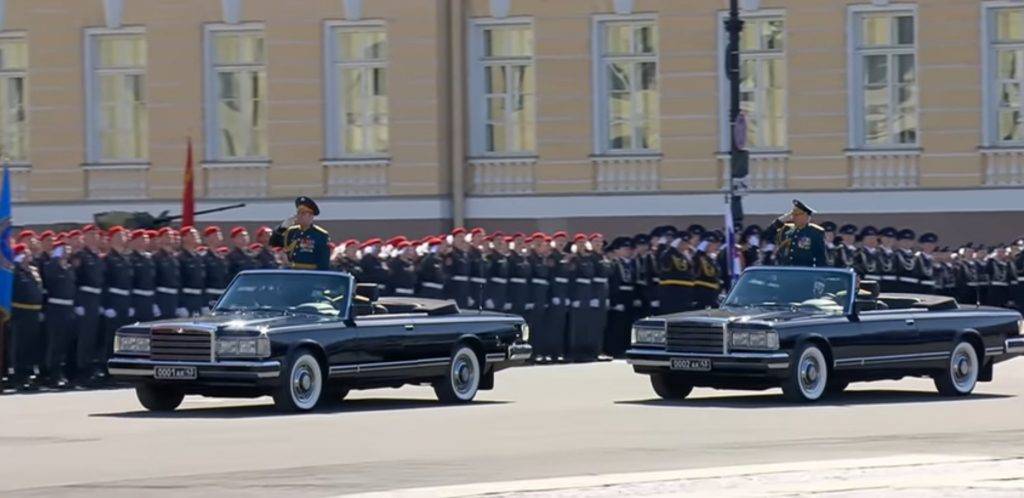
[[180, 344], [694, 338]]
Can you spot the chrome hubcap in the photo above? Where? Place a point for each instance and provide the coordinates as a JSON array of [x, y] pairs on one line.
[[463, 375], [811, 377], [304, 383], [963, 369]]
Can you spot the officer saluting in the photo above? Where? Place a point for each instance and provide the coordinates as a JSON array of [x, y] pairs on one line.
[[304, 243], [800, 242]]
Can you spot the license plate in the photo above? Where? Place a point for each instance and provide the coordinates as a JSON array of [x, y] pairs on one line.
[[696, 365], [174, 373]]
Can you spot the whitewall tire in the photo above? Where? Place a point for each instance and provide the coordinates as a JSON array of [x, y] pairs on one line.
[[462, 381], [807, 379], [302, 385], [961, 373]]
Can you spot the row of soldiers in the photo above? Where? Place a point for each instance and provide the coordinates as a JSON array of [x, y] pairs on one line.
[[73, 290]]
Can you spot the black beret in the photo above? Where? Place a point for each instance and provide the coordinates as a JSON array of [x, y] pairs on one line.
[[828, 226], [928, 238], [801, 206], [307, 202], [906, 234]]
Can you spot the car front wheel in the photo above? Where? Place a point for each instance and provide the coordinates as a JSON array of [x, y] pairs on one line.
[[808, 375], [461, 383], [961, 373], [302, 385], [670, 387], [159, 398]]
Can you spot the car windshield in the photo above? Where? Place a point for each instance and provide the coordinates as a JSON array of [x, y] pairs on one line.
[[816, 290], [288, 292]]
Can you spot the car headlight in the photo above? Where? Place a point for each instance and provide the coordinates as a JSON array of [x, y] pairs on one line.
[[524, 332], [131, 344], [754, 339], [243, 347], [652, 335], [1020, 327]]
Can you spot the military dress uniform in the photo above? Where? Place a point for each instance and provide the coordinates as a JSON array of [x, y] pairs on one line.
[[265, 259], [540, 285], [431, 277], [193, 282], [707, 284], [519, 284], [60, 288], [143, 287], [624, 299], [1017, 289], [402, 278], [26, 310], [600, 302], [496, 288], [117, 300], [374, 271], [557, 315], [216, 277], [168, 284], [580, 344], [999, 278], [306, 248], [239, 260], [91, 279], [675, 285], [457, 271]]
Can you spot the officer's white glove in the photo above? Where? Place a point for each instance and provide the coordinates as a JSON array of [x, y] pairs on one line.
[[507, 307], [156, 310], [79, 310], [575, 304], [131, 312], [557, 301], [205, 310], [655, 304], [110, 313], [594, 303], [470, 301], [489, 304], [182, 312], [289, 221], [620, 307], [637, 303]]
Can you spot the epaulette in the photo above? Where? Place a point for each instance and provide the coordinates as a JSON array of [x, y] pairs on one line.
[[321, 229], [295, 227], [816, 227]]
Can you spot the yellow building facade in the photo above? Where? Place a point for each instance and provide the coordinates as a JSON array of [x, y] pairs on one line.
[[515, 113]]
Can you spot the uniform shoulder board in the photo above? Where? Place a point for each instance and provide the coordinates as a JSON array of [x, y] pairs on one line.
[[295, 227], [816, 227], [320, 229]]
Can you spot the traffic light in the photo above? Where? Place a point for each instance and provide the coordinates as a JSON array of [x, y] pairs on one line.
[[740, 163]]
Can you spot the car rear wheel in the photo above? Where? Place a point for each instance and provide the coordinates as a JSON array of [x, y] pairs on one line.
[[670, 387], [303, 383], [461, 383], [159, 398], [961, 373], [808, 375]]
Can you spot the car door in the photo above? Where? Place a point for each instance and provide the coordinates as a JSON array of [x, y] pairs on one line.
[[876, 338], [382, 338], [936, 333]]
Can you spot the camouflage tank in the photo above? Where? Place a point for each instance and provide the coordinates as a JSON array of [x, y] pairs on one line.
[[141, 219]]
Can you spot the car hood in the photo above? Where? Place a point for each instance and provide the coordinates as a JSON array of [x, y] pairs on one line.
[[720, 316], [244, 320]]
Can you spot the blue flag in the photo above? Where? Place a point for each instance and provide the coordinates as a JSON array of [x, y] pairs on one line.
[[6, 254]]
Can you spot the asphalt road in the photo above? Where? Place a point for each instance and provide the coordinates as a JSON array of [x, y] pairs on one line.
[[539, 422]]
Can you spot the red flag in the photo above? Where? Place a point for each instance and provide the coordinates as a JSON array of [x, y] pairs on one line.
[[188, 199]]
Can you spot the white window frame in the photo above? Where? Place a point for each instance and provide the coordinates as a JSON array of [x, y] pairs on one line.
[[210, 122], [23, 74], [92, 97], [989, 96], [334, 148], [600, 124], [855, 75], [477, 101], [724, 132]]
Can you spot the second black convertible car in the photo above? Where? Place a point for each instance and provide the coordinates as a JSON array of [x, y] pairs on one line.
[[305, 337], [813, 331]]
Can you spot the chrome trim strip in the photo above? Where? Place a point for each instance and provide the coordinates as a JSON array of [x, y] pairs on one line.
[[387, 365], [494, 357], [937, 355], [145, 367], [733, 355], [1015, 346], [994, 351], [649, 363]]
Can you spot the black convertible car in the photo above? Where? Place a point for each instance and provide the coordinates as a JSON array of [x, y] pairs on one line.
[[306, 336], [812, 331]]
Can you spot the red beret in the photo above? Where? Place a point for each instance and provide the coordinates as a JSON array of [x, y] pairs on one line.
[[256, 246], [477, 231], [331, 245], [531, 238], [596, 235], [26, 233], [263, 230], [138, 234], [115, 230], [518, 235], [75, 233], [210, 230], [350, 242], [489, 238], [498, 233], [223, 250], [372, 242], [88, 228], [548, 238], [538, 235], [152, 234], [19, 248], [395, 240], [186, 229], [45, 234], [58, 243], [459, 231], [510, 238], [578, 237], [403, 244], [163, 231], [235, 232], [61, 236], [434, 241], [560, 233]]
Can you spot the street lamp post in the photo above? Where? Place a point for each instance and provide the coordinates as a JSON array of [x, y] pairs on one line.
[[738, 157]]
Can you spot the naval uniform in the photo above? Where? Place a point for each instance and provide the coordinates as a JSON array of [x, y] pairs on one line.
[[307, 249], [706, 285], [675, 286], [26, 310], [798, 246]]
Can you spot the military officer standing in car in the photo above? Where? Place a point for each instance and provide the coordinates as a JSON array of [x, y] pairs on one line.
[[303, 242], [799, 242]]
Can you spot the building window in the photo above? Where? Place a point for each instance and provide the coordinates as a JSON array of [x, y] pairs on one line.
[[762, 82], [884, 79], [236, 94], [626, 80], [13, 120], [502, 90], [1005, 75], [116, 97], [357, 96]]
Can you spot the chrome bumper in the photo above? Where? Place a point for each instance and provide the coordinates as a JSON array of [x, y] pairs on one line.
[[660, 358], [518, 352], [134, 368], [1015, 345]]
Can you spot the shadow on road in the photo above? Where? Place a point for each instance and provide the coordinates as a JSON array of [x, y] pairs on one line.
[[850, 398], [268, 410]]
